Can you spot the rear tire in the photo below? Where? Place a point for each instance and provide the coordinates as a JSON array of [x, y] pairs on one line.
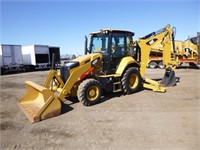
[[153, 65], [131, 81], [89, 92]]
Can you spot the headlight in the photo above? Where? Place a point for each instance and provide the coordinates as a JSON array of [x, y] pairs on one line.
[[95, 61]]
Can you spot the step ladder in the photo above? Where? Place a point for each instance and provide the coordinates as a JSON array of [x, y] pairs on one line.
[[117, 86]]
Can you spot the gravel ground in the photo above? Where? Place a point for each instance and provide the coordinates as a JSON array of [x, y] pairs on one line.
[[144, 120]]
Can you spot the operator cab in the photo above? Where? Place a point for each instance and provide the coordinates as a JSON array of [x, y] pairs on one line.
[[114, 45]]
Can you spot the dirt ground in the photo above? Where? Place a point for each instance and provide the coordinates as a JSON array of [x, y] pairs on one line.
[[144, 120]]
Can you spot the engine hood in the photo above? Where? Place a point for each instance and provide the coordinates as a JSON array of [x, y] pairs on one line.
[[87, 58]]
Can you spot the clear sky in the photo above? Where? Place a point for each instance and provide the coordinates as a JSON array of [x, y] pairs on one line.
[[64, 23]]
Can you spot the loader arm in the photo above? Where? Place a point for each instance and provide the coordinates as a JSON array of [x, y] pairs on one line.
[[84, 68], [73, 78], [53, 75], [42, 102]]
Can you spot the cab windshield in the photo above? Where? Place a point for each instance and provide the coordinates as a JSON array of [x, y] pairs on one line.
[[99, 43]]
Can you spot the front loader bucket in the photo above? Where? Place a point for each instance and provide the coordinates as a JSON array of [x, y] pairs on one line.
[[169, 78], [39, 103]]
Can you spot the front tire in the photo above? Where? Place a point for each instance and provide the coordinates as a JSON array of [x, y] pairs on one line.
[[131, 81], [89, 92]]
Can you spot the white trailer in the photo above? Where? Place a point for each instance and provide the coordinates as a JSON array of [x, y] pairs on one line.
[[36, 57], [11, 58]]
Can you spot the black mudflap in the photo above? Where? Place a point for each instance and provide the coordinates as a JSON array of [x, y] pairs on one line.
[[169, 78]]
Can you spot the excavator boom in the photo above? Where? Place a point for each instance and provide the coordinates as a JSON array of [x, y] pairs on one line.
[[165, 37]]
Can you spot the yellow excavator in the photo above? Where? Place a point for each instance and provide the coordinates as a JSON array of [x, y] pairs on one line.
[[113, 62]]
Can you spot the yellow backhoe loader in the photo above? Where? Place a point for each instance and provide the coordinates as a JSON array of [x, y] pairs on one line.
[[186, 52], [113, 62]]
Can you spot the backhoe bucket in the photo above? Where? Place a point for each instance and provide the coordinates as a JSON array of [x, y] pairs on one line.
[[169, 78], [39, 103]]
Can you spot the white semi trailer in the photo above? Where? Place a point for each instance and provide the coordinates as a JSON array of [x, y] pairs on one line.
[[27, 58], [11, 59], [36, 57]]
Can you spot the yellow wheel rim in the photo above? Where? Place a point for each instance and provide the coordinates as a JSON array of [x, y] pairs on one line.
[[92, 93], [133, 81]]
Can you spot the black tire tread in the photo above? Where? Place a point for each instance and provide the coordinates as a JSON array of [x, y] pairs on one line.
[[82, 90], [124, 81]]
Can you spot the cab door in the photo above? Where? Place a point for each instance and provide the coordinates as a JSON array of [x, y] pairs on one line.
[[118, 50]]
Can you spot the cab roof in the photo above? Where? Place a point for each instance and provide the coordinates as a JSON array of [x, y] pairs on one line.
[[112, 30]]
